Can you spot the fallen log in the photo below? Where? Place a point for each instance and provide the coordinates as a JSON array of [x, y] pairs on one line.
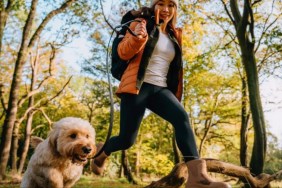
[[179, 174]]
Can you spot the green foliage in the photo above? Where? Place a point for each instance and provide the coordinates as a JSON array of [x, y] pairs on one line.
[[153, 147], [91, 181], [159, 165], [274, 155], [214, 100]]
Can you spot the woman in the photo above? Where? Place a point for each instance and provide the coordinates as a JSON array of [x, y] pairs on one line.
[[153, 80]]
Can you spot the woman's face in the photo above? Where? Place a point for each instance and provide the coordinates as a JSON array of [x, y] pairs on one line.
[[167, 9]]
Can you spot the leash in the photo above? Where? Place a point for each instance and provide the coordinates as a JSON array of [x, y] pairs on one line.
[[110, 85], [111, 100], [121, 26]]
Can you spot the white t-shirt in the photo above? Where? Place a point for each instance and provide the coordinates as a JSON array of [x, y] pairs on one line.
[[161, 58]]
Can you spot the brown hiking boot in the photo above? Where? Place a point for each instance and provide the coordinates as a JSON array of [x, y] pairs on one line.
[[198, 176]]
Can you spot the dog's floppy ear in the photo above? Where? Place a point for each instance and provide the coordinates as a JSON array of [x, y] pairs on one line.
[[53, 136], [35, 141]]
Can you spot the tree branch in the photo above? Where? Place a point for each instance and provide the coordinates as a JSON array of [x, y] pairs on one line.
[[51, 59], [229, 169], [45, 80], [2, 98], [8, 8], [235, 12], [33, 92], [2, 6], [228, 13], [179, 175], [2, 115], [267, 56], [104, 16], [46, 116], [245, 18], [255, 2], [37, 127], [226, 31], [34, 106], [58, 92], [265, 29], [30, 109], [9, 5], [28, 25], [252, 21], [47, 19]]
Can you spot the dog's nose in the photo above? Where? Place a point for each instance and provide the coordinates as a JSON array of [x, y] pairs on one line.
[[86, 149]]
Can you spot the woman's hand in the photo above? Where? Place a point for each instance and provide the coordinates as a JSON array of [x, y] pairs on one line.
[[140, 29]]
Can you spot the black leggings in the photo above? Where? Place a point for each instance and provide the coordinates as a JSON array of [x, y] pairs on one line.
[[162, 102]]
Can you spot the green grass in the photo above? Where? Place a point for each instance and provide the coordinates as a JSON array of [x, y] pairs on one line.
[[89, 182], [98, 182]]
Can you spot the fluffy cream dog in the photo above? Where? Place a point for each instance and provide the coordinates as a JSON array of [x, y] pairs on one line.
[[58, 161]]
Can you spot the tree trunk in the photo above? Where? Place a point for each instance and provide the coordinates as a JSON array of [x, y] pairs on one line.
[[4, 107], [137, 163], [3, 19], [245, 119], [91, 107], [26, 43], [208, 124], [177, 158], [11, 116], [203, 139], [138, 155], [34, 67], [120, 172], [244, 126], [244, 25], [4, 12], [15, 146], [126, 167], [26, 142], [259, 148]]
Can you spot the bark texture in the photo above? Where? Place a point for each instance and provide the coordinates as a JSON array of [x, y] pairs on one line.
[[179, 174]]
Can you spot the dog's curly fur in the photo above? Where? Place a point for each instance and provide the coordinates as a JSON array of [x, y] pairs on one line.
[[58, 161]]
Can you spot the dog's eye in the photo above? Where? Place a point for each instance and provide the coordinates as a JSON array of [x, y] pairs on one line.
[[87, 136], [73, 136]]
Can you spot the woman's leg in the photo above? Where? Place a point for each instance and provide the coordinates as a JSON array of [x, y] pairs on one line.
[[166, 105], [132, 109]]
